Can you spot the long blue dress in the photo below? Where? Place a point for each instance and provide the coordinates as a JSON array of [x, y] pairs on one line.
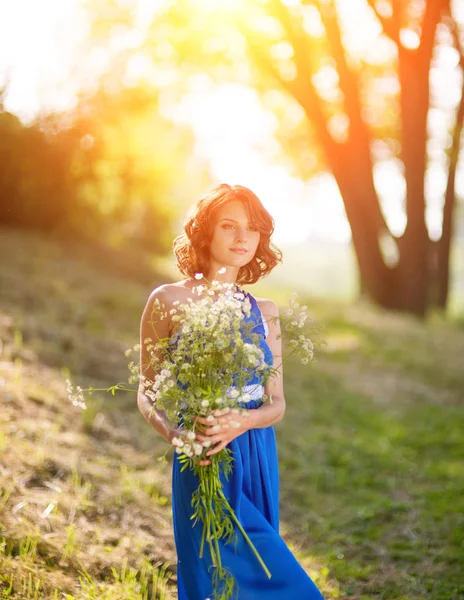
[[253, 492]]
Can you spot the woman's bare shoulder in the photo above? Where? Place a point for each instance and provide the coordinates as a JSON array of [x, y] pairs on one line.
[[268, 307], [167, 293]]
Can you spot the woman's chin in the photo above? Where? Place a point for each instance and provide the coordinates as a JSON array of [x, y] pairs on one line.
[[239, 261]]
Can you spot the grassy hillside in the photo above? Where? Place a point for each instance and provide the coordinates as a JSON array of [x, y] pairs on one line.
[[371, 452]]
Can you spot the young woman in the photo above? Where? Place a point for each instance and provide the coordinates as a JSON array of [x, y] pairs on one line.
[[230, 228]]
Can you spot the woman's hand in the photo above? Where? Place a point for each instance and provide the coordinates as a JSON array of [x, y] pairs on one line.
[[221, 427], [183, 434]]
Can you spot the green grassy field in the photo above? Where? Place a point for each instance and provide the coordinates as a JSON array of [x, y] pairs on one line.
[[371, 446]]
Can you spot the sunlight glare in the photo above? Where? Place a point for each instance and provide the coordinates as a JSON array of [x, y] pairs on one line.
[[312, 21], [218, 5], [410, 39]]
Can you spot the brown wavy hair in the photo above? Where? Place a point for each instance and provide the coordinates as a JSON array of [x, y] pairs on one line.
[[192, 246]]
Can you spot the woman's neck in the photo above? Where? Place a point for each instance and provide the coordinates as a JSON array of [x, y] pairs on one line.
[[228, 276]]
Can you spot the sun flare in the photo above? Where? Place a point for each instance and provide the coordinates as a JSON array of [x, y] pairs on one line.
[[218, 5]]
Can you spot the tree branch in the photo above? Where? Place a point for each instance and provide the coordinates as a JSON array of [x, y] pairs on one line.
[[301, 88], [391, 25], [349, 81], [456, 35], [360, 136], [434, 10], [444, 244]]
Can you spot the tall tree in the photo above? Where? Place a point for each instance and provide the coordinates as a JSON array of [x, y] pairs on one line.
[[420, 274], [277, 39]]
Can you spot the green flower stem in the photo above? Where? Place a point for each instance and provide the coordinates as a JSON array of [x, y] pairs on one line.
[[212, 488], [245, 535], [216, 547], [203, 535]]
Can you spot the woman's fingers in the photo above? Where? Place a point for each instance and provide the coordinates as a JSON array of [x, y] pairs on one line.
[[208, 431], [217, 448], [213, 417], [219, 412], [211, 439]]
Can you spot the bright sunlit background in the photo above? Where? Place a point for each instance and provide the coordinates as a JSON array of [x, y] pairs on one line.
[[115, 117], [235, 131]]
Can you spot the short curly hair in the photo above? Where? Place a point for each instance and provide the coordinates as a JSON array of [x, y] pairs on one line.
[[191, 248]]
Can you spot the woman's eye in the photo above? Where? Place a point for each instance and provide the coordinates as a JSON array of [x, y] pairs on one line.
[[231, 226]]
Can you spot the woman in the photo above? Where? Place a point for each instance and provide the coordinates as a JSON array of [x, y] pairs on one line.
[[231, 229]]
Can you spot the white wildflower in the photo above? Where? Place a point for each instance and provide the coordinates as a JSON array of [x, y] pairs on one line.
[[76, 397], [154, 396], [191, 435], [205, 403], [221, 271], [198, 276], [206, 443]]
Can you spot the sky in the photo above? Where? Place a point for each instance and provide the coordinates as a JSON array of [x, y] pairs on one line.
[[36, 53]]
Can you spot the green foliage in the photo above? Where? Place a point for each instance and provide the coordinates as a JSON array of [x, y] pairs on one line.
[[370, 448], [128, 584], [106, 170]]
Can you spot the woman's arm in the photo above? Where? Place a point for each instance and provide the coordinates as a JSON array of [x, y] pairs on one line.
[[227, 425], [151, 326], [271, 412]]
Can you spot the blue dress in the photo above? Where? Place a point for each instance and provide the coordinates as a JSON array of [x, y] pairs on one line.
[[253, 492]]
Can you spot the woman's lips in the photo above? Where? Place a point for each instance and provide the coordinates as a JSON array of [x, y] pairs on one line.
[[239, 250]]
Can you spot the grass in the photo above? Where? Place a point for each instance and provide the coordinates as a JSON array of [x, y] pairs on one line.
[[371, 454]]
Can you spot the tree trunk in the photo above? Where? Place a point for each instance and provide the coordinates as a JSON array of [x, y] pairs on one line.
[[359, 200], [411, 273], [444, 245], [406, 286]]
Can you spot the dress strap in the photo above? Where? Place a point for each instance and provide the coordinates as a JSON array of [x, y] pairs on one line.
[[257, 313], [265, 325]]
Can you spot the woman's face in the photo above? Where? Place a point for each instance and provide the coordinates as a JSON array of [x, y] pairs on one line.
[[235, 239]]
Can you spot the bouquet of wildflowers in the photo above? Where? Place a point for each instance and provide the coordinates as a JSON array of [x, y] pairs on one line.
[[205, 366]]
